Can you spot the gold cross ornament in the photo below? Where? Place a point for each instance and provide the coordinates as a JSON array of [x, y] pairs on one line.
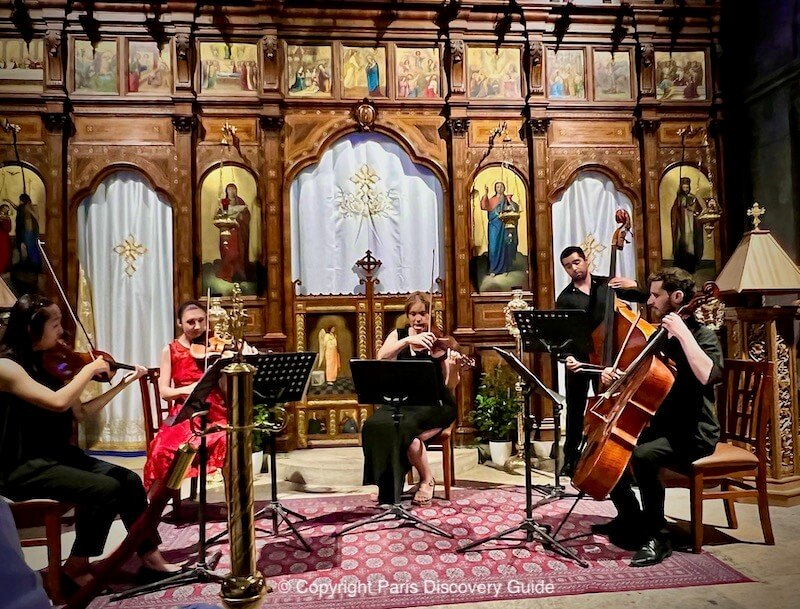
[[129, 250], [756, 212]]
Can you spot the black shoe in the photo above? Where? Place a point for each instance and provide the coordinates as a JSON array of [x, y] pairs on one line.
[[623, 531], [615, 526], [652, 552]]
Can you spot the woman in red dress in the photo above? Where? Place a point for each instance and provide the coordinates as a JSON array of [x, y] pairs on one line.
[[179, 375]]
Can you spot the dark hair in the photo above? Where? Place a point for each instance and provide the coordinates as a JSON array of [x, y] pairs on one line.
[[416, 297], [572, 249], [675, 279], [25, 327], [188, 305]]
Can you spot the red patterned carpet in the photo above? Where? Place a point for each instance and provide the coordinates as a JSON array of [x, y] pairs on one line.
[[383, 566]]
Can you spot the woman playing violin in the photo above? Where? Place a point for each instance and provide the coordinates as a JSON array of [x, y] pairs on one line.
[[37, 459], [383, 465], [180, 371]]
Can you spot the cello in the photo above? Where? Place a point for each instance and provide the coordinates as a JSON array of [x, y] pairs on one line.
[[616, 418]]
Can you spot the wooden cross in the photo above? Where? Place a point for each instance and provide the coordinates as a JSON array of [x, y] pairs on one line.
[[756, 212], [369, 264]]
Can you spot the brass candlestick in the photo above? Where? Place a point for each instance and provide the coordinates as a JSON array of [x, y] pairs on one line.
[[244, 586]]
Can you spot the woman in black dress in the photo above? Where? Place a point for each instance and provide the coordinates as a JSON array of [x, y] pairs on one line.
[[385, 465]]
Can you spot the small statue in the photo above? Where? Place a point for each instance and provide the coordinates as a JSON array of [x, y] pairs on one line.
[[329, 354]]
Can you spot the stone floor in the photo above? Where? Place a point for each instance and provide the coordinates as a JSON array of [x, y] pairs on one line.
[[775, 569]]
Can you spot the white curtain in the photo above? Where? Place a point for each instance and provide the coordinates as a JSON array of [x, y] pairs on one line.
[[125, 250], [366, 194], [584, 216]]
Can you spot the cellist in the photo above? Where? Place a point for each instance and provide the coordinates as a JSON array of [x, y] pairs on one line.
[[684, 428], [586, 292]]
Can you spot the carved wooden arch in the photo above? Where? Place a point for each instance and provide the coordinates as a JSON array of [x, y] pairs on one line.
[[701, 167], [26, 166], [315, 155], [204, 173], [513, 169], [559, 184], [81, 192]]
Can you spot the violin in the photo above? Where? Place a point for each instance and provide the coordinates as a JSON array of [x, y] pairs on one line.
[[63, 362]]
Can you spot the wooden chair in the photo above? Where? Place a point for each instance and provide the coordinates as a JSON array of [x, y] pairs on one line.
[[155, 411], [743, 419], [443, 442], [38, 513]]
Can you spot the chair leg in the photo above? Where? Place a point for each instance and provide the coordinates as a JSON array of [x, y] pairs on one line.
[[193, 489], [730, 506], [52, 527], [696, 506], [410, 476], [763, 506], [447, 467]]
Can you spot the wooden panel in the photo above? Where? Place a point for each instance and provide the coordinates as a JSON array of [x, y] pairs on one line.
[[119, 130], [30, 130], [246, 129], [481, 131], [566, 132], [668, 133], [489, 315]]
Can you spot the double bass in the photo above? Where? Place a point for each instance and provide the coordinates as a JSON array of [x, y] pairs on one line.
[[616, 418]]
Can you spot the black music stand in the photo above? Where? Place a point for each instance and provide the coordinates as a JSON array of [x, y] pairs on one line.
[[202, 571], [280, 378], [557, 332], [399, 384], [529, 526]]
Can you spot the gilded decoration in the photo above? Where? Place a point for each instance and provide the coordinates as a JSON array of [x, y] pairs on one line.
[[130, 250], [565, 162]]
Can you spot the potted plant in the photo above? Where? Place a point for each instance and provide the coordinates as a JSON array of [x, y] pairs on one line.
[[259, 437], [495, 413]]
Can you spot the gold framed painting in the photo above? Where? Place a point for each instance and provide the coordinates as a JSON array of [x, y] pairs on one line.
[[309, 70], [681, 76], [417, 73], [149, 70], [612, 75], [21, 65], [96, 70], [228, 69], [566, 74], [494, 73], [363, 72]]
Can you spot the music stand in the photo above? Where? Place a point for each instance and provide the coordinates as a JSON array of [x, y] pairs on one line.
[[202, 571], [556, 332], [529, 526], [399, 384]]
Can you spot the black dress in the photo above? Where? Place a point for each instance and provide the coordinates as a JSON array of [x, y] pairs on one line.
[[386, 464]]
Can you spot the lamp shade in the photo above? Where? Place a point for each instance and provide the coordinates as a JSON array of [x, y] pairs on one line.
[[7, 298], [761, 265]]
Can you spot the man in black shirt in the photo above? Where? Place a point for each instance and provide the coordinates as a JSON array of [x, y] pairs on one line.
[[684, 428], [587, 293]]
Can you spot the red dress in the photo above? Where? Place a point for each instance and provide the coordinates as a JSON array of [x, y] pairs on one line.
[[185, 371]]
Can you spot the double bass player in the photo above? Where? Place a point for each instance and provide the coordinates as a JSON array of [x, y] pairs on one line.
[[683, 429]]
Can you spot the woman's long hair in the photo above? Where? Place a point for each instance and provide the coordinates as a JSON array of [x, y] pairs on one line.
[[25, 328]]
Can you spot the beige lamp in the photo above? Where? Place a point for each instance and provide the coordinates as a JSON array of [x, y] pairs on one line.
[[7, 298]]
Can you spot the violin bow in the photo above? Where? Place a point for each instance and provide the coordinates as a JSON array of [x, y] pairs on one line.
[[78, 323], [430, 286], [208, 309]]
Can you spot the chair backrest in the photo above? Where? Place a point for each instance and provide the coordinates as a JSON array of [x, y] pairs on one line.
[[155, 409], [743, 416]]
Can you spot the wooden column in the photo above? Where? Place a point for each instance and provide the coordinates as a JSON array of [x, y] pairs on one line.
[[183, 212], [648, 132], [272, 186]]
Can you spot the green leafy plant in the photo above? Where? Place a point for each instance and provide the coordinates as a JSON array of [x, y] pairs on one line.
[[496, 407]]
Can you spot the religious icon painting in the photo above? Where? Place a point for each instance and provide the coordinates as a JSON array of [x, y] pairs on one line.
[[684, 192], [22, 223], [309, 70], [149, 69], [363, 72], [95, 67], [228, 69], [612, 76], [333, 337], [680, 76], [494, 73], [230, 233], [499, 236], [21, 65], [417, 73], [566, 76]]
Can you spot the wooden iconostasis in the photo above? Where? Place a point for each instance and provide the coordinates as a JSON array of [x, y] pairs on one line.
[[463, 147]]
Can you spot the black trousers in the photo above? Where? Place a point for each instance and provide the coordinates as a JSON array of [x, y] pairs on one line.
[[577, 391], [653, 452], [99, 490]]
